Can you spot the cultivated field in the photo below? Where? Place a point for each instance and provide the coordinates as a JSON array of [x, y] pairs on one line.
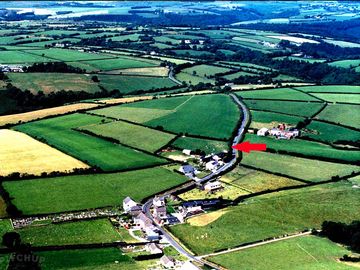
[[281, 93], [20, 57], [68, 55], [147, 71], [59, 132], [344, 114], [331, 88], [208, 146], [261, 119], [345, 98], [205, 70], [121, 62], [25, 155], [72, 192]]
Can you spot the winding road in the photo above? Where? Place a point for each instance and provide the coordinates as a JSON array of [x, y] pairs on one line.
[[147, 206]]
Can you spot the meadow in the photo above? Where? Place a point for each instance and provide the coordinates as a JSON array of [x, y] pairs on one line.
[[292, 107], [192, 79], [237, 75], [301, 168], [26, 155], [58, 132], [331, 88], [68, 55], [341, 114], [121, 62], [205, 70], [345, 98], [53, 82], [281, 94], [208, 146], [261, 119], [21, 57], [144, 71], [345, 63], [310, 149], [307, 252], [271, 215], [133, 135], [78, 232], [68, 193]]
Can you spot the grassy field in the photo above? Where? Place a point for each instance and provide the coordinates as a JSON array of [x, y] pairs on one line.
[[19, 57], [133, 135], [52, 82], [261, 119], [307, 148], [121, 62], [72, 192], [128, 84], [256, 181], [5, 226], [346, 63], [205, 70], [272, 215], [208, 146], [79, 232], [68, 55], [348, 98], [26, 155], [108, 156], [306, 169], [192, 79], [147, 71], [281, 94], [341, 114], [331, 133], [292, 107], [331, 88], [308, 252]]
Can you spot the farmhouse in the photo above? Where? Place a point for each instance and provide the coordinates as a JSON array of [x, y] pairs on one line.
[[212, 186], [167, 261], [263, 132], [153, 248], [186, 152], [160, 212], [211, 165], [187, 169], [152, 234], [142, 221], [158, 201], [130, 206]]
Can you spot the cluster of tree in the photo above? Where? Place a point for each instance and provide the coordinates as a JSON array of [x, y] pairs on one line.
[[347, 234], [60, 67]]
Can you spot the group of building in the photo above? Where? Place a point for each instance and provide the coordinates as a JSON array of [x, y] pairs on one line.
[[11, 68], [280, 132]]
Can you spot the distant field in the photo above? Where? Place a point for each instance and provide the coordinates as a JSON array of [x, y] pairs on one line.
[[209, 146], [25, 155], [79, 232], [205, 70], [237, 75], [341, 113], [121, 62], [172, 60], [281, 93], [331, 132], [302, 168], [307, 252], [147, 71], [293, 107], [272, 215], [192, 53], [307, 148], [69, 55], [53, 82], [192, 79], [261, 119], [342, 43], [128, 84], [59, 132], [256, 181], [346, 63], [52, 195], [348, 98], [19, 57], [132, 135], [331, 88]]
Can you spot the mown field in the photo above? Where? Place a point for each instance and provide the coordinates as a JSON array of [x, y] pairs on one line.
[[72, 192], [331, 88], [25, 155], [192, 79], [301, 168], [133, 135], [281, 94], [306, 148], [205, 70], [307, 252], [341, 114], [53, 82], [78, 232], [272, 215], [261, 119], [346, 63], [68, 55], [20, 57], [292, 107], [59, 132], [344, 98], [208, 146]]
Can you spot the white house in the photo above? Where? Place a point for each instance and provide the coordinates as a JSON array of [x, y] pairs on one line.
[[211, 165], [167, 261], [211, 186], [142, 221], [186, 152], [153, 248], [158, 201], [128, 204], [263, 132], [151, 234]]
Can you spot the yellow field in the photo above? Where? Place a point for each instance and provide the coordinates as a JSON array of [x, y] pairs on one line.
[[191, 93], [206, 219], [34, 115], [147, 71], [124, 100], [21, 153]]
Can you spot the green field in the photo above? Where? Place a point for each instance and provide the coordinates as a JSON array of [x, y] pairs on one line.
[[342, 114], [108, 156], [281, 94], [5, 226], [192, 79], [347, 98], [79, 232], [205, 70], [192, 53], [89, 191], [69, 55], [308, 148], [121, 62], [272, 215], [307, 252], [301, 168], [331, 133], [128, 84], [331, 88], [20, 57], [346, 63], [261, 119], [237, 75], [208, 146], [291, 107], [52, 82], [86, 259], [133, 135]]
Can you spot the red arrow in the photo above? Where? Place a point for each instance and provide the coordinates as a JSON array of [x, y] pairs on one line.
[[247, 147]]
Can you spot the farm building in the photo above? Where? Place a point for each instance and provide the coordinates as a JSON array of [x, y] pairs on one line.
[[160, 212], [130, 206], [212, 186], [211, 165], [167, 261], [158, 201], [187, 169], [152, 234], [186, 152], [143, 221], [153, 248], [263, 132]]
